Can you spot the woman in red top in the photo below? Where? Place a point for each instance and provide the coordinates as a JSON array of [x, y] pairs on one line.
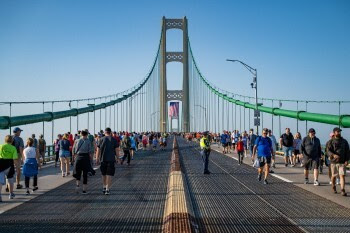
[[240, 150]]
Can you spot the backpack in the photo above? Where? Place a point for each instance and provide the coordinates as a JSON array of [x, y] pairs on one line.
[[240, 146], [126, 143]]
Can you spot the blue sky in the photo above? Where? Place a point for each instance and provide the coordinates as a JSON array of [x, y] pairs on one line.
[[74, 49]]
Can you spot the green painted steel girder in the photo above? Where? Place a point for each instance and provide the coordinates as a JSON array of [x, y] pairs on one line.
[[7, 122], [342, 120]]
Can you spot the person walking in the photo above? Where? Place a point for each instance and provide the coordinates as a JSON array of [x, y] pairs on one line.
[[19, 144], [8, 154], [107, 154], [65, 155], [311, 151], [240, 150], [251, 142], [30, 166], [263, 147], [273, 153], [296, 148], [339, 155], [126, 147], [82, 152], [42, 149], [56, 143], [144, 142], [205, 151], [133, 146], [286, 143]]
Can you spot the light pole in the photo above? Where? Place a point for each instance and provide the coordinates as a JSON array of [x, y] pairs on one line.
[[205, 114], [254, 84]]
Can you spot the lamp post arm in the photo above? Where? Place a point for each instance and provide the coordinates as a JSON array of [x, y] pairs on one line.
[[249, 68]]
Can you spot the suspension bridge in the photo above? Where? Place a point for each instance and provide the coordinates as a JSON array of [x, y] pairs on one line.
[[166, 190]]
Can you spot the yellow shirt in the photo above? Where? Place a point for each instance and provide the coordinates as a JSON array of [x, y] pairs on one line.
[[7, 151]]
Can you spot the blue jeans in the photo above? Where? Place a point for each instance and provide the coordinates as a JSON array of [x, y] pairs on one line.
[[287, 150], [205, 158]]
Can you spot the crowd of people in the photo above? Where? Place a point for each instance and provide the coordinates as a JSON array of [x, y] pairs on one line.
[[81, 151], [106, 149], [307, 152]]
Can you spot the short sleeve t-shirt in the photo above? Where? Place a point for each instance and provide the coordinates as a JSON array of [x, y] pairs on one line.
[[263, 145], [18, 143], [7, 151], [223, 138], [107, 145], [287, 140]]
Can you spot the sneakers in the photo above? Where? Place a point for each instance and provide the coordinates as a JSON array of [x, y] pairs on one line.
[[286, 165], [19, 186], [104, 191], [343, 193], [306, 181], [12, 195], [84, 192], [272, 171], [316, 183], [259, 177], [206, 173], [334, 189], [265, 181], [293, 165], [107, 192], [27, 192], [35, 188]]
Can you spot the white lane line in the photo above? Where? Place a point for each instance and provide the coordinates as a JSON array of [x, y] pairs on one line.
[[281, 178], [260, 197]]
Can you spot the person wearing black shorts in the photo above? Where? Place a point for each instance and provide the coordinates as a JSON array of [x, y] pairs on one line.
[[107, 154], [311, 150]]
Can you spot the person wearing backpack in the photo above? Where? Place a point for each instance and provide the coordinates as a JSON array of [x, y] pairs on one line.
[[263, 147], [339, 155], [126, 146], [240, 150]]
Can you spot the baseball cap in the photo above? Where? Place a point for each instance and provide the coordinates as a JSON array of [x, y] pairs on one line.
[[337, 129], [312, 130], [15, 130]]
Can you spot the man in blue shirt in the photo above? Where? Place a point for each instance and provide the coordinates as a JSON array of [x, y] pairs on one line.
[[263, 145], [224, 142]]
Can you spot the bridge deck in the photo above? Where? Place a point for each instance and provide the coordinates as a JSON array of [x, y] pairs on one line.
[[136, 203], [229, 200], [232, 200]]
